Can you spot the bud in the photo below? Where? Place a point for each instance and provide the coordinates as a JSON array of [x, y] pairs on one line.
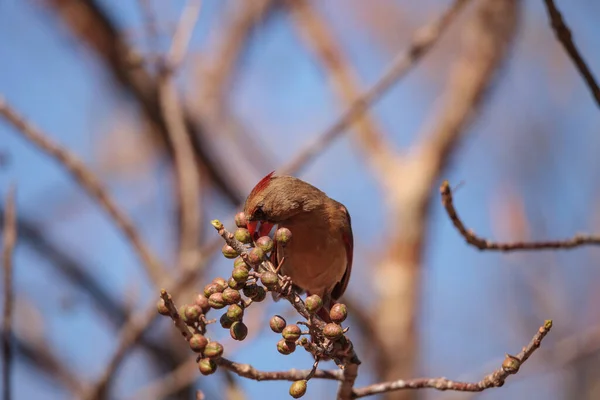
[[228, 251], [332, 331], [221, 283], [198, 343], [338, 313], [291, 333], [277, 323], [235, 312], [231, 296], [250, 290], [202, 302], [235, 285], [269, 279], [298, 389], [238, 330], [211, 289], [225, 321], [256, 255], [240, 274], [282, 235], [285, 347], [192, 313], [261, 294], [265, 243], [207, 366], [161, 307], [313, 303], [242, 235], [213, 350], [240, 220], [216, 301]]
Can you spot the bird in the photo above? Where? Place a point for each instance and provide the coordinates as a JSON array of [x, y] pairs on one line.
[[318, 258]]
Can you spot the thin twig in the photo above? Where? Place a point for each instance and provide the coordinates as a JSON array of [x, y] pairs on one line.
[[188, 181], [510, 366], [564, 36], [484, 244], [248, 371], [9, 242], [423, 40], [89, 182]]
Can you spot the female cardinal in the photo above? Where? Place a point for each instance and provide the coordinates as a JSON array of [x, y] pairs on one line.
[[318, 258]]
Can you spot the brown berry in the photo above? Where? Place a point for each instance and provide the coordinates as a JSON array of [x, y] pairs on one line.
[[240, 274], [228, 251], [242, 235], [265, 243], [338, 313], [256, 256], [192, 313], [221, 283], [313, 303], [250, 290], [332, 331], [202, 302], [207, 366], [231, 296], [291, 333], [210, 289], [261, 294], [239, 262], [181, 312], [282, 235], [238, 330], [216, 301], [198, 343], [511, 364], [161, 307], [298, 389], [225, 321], [285, 347], [235, 312], [213, 350], [235, 285], [277, 323], [269, 279], [240, 220]]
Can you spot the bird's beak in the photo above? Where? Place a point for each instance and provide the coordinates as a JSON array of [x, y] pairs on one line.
[[257, 231]]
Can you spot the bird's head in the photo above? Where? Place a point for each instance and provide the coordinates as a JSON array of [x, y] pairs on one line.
[[278, 198]]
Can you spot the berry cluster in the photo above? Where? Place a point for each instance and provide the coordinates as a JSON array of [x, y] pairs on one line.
[[251, 278]]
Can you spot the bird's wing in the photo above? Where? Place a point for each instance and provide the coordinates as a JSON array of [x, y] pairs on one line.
[[348, 239]]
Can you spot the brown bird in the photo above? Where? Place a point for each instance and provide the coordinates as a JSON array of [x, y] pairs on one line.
[[318, 258]]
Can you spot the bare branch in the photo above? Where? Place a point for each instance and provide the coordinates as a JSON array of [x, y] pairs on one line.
[[89, 182], [9, 242], [564, 36], [321, 41], [423, 40], [248, 371], [188, 181], [510, 366], [484, 244]]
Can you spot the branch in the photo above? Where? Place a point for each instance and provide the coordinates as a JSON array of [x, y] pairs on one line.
[[248, 371], [423, 40], [510, 366], [484, 244], [564, 36], [9, 242], [188, 181], [88, 181]]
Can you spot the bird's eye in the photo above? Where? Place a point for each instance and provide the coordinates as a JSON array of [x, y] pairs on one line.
[[258, 213]]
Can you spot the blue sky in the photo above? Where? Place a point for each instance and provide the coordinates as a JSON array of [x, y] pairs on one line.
[[535, 141]]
